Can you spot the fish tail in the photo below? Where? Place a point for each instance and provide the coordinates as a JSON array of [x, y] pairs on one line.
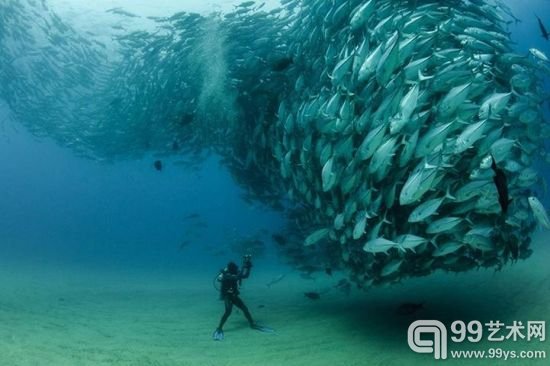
[[422, 77], [433, 241], [448, 194], [385, 219], [493, 163]]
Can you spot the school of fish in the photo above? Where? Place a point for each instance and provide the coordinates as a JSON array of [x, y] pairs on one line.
[[400, 137]]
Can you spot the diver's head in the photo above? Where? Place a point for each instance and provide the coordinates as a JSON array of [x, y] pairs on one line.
[[232, 268]]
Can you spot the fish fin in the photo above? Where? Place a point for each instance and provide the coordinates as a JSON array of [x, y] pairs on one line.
[[218, 335], [429, 166], [521, 147], [448, 194], [433, 241], [422, 77], [493, 162], [514, 92], [262, 328]]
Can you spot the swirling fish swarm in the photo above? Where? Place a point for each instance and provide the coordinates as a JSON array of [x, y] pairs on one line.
[[388, 133], [378, 124]]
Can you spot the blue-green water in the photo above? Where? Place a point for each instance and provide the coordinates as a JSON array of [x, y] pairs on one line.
[[108, 260]]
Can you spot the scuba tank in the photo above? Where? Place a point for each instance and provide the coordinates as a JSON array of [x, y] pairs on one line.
[[216, 280], [247, 263]]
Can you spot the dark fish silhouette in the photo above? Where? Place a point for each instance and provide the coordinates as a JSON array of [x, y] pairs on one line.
[[341, 283], [279, 239], [275, 280], [502, 186], [246, 4], [282, 63], [344, 286], [186, 119], [158, 165], [409, 308], [191, 216], [512, 248], [312, 295], [121, 11], [543, 29], [184, 244]]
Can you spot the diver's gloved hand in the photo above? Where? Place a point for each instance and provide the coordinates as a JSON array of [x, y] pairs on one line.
[[218, 335], [247, 261]]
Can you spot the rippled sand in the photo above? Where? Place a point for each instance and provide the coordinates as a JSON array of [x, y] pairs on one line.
[[52, 315]]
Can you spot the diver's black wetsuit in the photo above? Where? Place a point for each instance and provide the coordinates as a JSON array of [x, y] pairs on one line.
[[230, 292]]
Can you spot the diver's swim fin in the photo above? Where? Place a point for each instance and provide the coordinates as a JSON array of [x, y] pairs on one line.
[[262, 328], [218, 335]]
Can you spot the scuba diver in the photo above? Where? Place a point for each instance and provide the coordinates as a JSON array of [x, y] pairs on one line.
[[231, 278]]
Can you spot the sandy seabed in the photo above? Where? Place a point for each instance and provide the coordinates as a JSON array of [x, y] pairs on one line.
[[57, 315]]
